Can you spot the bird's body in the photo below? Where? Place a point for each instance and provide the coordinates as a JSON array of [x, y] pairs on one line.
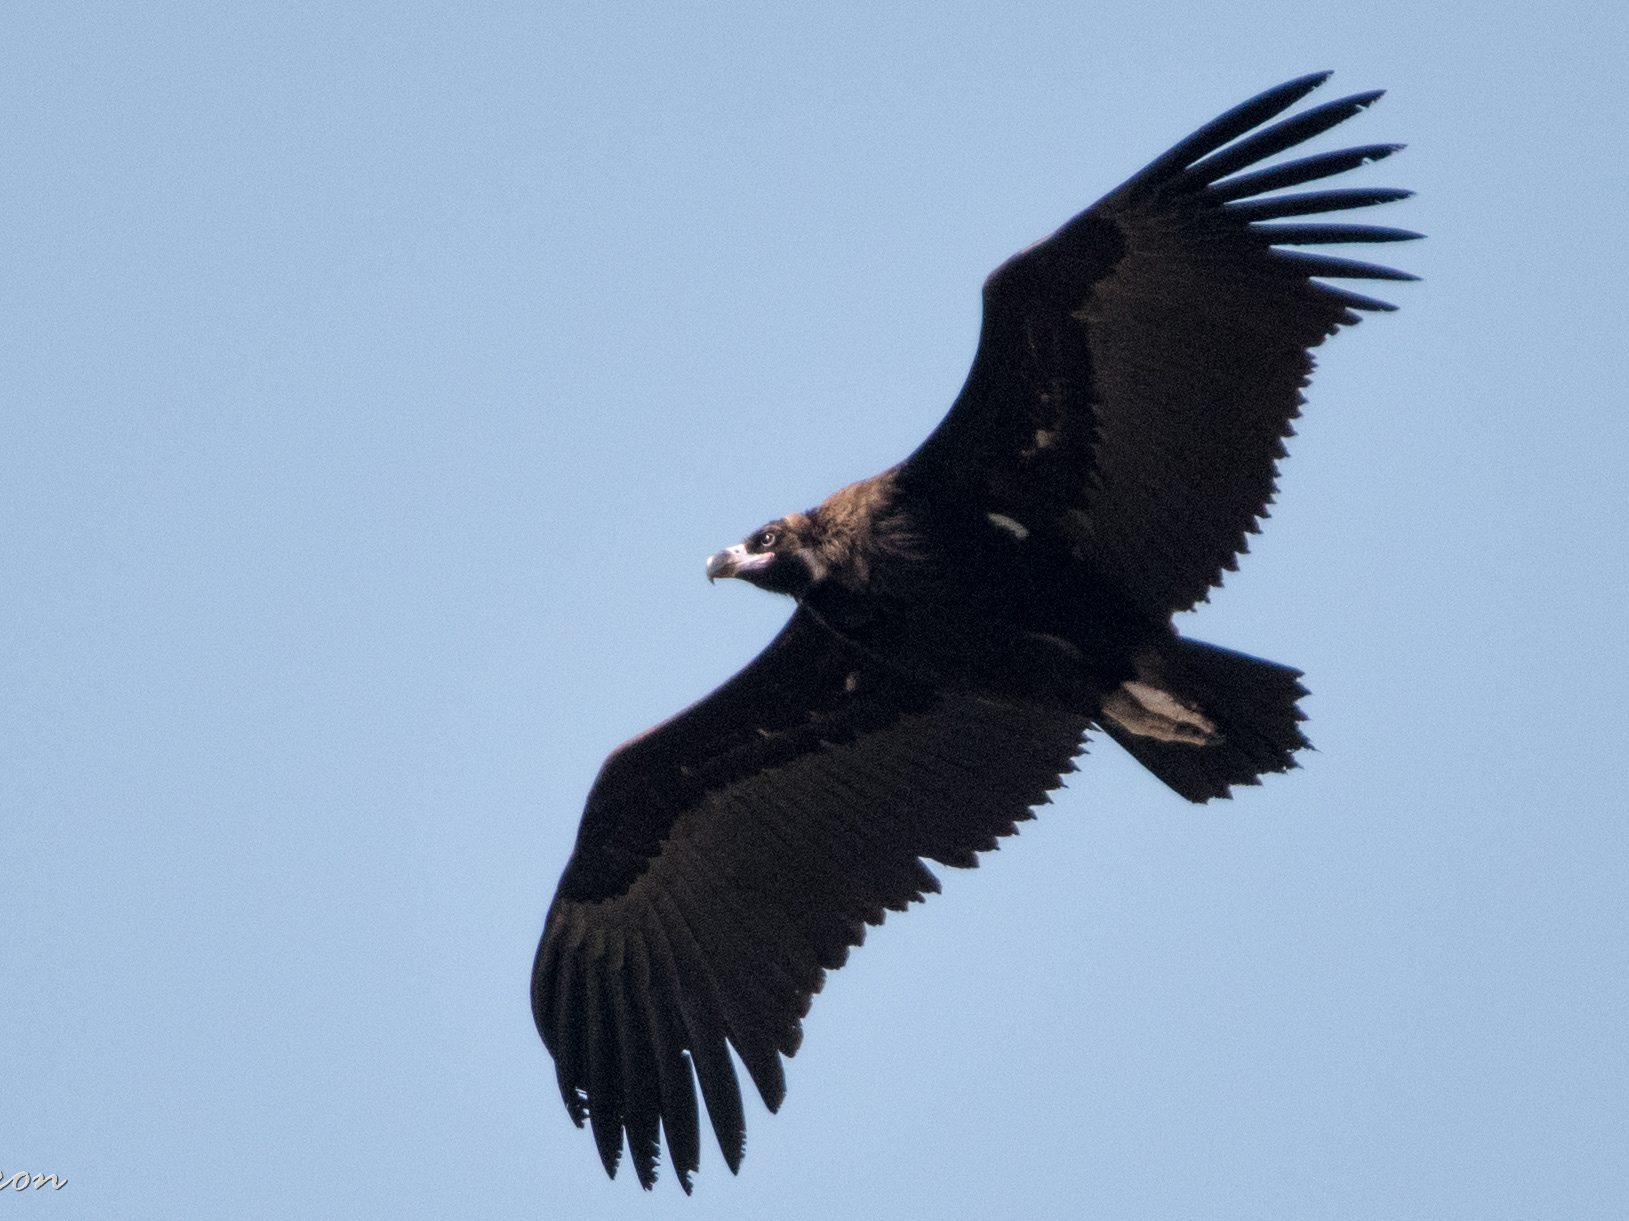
[[963, 618]]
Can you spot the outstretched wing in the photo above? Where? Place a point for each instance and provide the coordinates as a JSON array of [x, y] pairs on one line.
[[1138, 370], [729, 857]]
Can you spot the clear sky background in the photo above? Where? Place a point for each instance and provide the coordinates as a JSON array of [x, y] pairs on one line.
[[376, 377]]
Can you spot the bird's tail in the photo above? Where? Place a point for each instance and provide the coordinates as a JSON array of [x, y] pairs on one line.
[[1203, 718]]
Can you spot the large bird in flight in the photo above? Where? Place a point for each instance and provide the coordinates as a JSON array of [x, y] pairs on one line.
[[962, 620]]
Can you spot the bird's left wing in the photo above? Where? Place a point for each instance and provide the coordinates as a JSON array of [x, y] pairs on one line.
[[729, 857], [1138, 370]]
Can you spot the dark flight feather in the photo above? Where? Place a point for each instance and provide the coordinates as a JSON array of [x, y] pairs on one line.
[[962, 620], [1311, 203], [1294, 173]]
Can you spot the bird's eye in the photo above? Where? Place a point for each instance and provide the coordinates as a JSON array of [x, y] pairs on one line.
[[766, 540]]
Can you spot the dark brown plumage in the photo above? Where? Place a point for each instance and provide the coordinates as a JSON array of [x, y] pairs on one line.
[[962, 620]]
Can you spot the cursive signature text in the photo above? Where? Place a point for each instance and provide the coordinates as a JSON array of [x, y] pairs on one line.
[[22, 1181]]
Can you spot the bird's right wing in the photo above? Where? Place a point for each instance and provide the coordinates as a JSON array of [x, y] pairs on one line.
[[729, 857]]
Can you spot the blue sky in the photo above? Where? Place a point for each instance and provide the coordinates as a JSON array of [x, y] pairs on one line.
[[374, 380]]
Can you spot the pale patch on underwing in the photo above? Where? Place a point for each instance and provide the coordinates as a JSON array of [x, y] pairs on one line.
[[1016, 528]]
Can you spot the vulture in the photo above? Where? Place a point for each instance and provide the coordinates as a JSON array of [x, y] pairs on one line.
[[962, 620]]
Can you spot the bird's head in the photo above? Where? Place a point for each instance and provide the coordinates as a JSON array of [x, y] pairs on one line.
[[783, 557]]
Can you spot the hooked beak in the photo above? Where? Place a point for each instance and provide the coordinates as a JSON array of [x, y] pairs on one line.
[[733, 561]]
